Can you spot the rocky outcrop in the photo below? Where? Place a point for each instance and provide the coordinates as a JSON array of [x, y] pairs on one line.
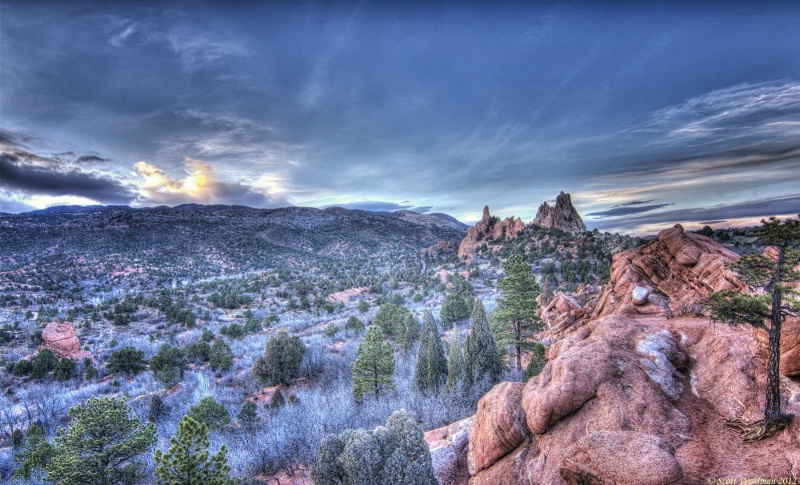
[[669, 275], [562, 216], [596, 458], [489, 227], [630, 396], [448, 447], [62, 340], [499, 426]]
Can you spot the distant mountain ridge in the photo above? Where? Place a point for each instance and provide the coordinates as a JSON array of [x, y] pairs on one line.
[[437, 219], [220, 238]]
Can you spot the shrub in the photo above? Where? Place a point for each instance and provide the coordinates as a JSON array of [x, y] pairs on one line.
[[44, 362], [126, 360], [65, 370], [281, 361], [169, 364], [220, 356], [211, 413]]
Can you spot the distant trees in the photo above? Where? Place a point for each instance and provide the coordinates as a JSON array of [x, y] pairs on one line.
[[211, 413], [187, 461], [169, 364], [431, 371], [395, 454], [394, 319], [455, 309], [537, 362], [765, 311], [518, 305], [43, 363], [281, 361], [355, 325], [374, 366], [126, 360], [456, 367], [220, 356], [101, 445], [481, 358]]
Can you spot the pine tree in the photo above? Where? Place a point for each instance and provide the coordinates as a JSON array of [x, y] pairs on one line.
[[281, 361], [211, 413], [126, 360], [431, 371], [248, 415], [454, 310], [537, 362], [480, 350], [765, 310], [456, 367], [101, 445], [157, 409], [220, 357], [518, 305], [374, 366], [277, 400], [187, 461], [34, 456]]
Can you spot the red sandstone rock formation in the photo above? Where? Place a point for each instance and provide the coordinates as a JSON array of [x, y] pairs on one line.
[[62, 340], [632, 397], [562, 216], [448, 446], [489, 228], [669, 275]]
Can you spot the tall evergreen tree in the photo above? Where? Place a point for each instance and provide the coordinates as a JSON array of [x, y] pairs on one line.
[[456, 367], [518, 305], [187, 461], [765, 309], [480, 350], [374, 366], [431, 371], [101, 445]]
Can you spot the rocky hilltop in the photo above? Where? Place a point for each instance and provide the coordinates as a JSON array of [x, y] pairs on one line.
[[637, 387], [562, 216], [489, 228]]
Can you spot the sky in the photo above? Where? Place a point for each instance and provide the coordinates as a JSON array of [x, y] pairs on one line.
[[649, 114]]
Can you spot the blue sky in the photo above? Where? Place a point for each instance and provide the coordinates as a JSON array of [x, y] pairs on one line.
[[650, 114]]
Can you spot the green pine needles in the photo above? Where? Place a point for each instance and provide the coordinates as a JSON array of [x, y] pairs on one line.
[[187, 462]]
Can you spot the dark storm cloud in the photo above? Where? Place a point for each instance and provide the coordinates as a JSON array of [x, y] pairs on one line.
[[626, 211], [90, 159], [789, 205], [49, 180], [636, 202]]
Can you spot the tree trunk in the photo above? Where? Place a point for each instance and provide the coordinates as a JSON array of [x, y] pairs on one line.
[[518, 337], [772, 411]]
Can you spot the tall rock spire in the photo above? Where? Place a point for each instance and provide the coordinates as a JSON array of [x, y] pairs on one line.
[[561, 216]]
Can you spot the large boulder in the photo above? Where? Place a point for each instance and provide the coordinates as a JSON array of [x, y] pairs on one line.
[[61, 339], [448, 447], [620, 458], [669, 275], [499, 426]]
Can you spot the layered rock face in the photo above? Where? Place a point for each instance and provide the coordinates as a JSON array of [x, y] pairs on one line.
[[634, 397], [62, 340], [560, 216], [489, 228], [670, 274]]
